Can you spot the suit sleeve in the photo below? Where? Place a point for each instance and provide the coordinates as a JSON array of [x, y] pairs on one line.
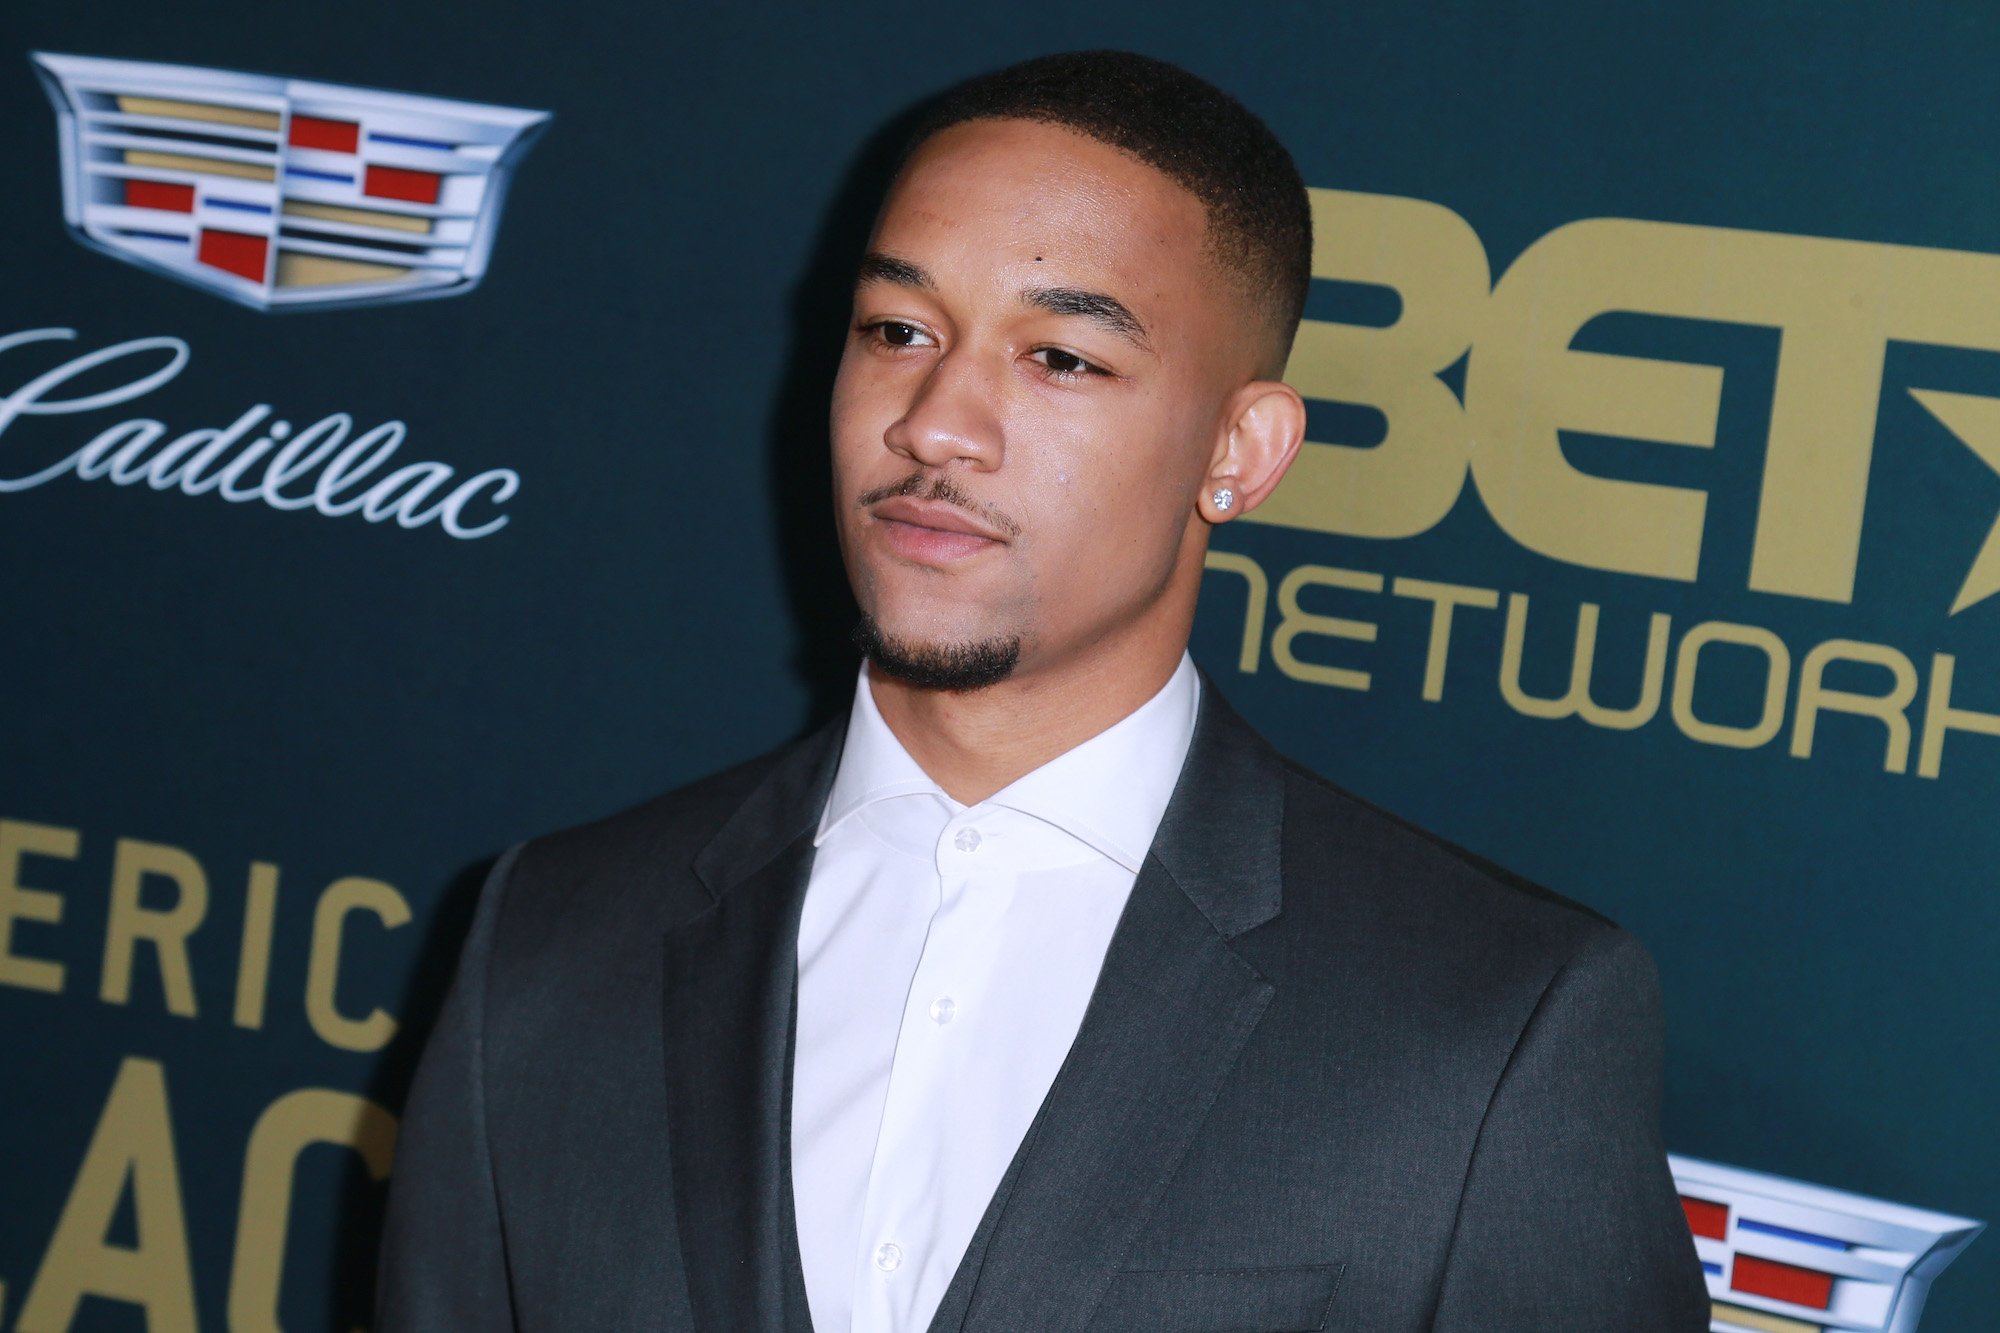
[[1569, 1221], [443, 1259]]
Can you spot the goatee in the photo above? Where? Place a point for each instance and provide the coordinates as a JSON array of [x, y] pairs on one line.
[[969, 665]]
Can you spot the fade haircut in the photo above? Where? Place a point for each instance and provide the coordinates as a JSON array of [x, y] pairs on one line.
[[1207, 142]]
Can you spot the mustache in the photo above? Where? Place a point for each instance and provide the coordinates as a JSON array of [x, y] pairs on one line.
[[939, 487]]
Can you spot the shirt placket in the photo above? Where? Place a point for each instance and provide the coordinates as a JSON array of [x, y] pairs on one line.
[[898, 1262]]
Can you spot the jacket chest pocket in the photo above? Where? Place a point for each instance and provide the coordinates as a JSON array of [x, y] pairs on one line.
[[1230, 1300]]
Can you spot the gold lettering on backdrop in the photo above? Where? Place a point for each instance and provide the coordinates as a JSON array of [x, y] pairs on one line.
[[253, 966], [291, 1124], [1257, 593], [1890, 709], [1777, 683], [1524, 384], [1445, 598], [342, 898], [1940, 716], [132, 1150], [167, 931], [156, 901], [18, 902], [1836, 304], [133, 1143], [138, 920], [1670, 669], [1433, 259], [1976, 423], [1579, 701], [1294, 621]]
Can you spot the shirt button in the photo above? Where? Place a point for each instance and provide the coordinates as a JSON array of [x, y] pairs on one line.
[[942, 1008], [888, 1256], [967, 840]]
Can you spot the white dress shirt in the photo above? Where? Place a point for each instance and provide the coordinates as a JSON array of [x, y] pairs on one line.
[[946, 954]]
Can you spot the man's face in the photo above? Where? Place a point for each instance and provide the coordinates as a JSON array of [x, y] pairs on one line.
[[1031, 389]]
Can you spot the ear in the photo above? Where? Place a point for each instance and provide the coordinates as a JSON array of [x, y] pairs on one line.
[[1263, 424]]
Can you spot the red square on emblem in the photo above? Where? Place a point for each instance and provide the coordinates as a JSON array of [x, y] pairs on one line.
[[1781, 1282], [335, 136], [159, 194], [417, 187], [1705, 1218], [234, 252]]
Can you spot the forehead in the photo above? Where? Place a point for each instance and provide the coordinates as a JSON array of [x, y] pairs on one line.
[[990, 196]]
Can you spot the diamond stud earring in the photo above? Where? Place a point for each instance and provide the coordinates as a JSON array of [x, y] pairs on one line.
[[1224, 498]]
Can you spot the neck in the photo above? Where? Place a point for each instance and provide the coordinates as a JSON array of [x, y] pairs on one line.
[[974, 743]]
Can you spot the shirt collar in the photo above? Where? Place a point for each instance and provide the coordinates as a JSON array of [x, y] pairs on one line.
[[874, 766], [1110, 792]]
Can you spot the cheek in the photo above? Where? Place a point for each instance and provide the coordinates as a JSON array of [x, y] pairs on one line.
[[1121, 452], [845, 412], [868, 397], [1116, 482]]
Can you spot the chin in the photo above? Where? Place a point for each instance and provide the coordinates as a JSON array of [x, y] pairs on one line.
[[935, 662]]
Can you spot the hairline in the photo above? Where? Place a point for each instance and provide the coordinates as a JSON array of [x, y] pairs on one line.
[[1238, 276]]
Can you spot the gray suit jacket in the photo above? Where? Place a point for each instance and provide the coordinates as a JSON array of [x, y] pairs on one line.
[[1335, 1075]]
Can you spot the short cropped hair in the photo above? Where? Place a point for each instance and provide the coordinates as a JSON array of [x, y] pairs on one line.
[[1259, 218]]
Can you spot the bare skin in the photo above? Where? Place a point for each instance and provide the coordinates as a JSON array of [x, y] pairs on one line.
[[1059, 452]]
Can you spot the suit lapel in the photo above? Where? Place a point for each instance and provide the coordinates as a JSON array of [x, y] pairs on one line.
[[731, 977], [1172, 1009]]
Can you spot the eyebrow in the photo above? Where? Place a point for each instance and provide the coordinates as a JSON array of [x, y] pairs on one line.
[[878, 267], [1107, 312]]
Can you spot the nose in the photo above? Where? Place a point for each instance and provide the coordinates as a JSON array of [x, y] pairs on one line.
[[955, 414]]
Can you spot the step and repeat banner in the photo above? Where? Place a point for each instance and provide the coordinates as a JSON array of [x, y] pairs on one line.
[[412, 439]]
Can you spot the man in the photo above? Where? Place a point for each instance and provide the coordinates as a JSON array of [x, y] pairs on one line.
[[1041, 994]]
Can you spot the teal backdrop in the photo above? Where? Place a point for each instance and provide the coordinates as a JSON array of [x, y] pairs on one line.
[[283, 746]]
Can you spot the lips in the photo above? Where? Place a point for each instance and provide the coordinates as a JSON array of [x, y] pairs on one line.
[[931, 531]]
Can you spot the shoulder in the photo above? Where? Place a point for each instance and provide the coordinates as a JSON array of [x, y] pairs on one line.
[[1327, 824], [1447, 929], [635, 867], [1359, 884], [672, 825]]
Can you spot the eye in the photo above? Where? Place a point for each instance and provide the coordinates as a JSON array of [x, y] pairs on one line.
[[896, 333], [1063, 366]]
